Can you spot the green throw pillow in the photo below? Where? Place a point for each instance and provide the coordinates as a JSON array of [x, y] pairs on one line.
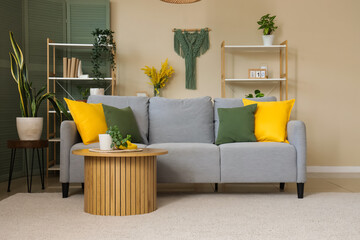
[[125, 120], [236, 124]]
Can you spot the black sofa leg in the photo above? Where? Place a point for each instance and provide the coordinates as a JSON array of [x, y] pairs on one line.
[[82, 186], [282, 186], [65, 190], [216, 187], [300, 190]]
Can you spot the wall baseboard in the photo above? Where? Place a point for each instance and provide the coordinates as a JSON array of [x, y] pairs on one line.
[[333, 169]]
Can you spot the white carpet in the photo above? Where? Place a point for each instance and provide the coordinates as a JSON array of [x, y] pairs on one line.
[[187, 216]]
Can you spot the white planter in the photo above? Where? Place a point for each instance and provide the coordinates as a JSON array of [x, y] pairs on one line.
[[268, 40], [97, 91], [29, 128], [105, 141]]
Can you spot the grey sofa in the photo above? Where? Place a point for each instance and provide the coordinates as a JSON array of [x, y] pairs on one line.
[[187, 128]]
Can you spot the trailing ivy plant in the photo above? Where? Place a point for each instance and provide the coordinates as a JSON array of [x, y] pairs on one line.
[[266, 23], [258, 94], [103, 38]]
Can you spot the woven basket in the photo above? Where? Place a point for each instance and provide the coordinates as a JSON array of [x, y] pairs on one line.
[[180, 1]]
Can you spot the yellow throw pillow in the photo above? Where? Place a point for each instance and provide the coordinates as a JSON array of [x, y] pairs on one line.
[[89, 119], [271, 119]]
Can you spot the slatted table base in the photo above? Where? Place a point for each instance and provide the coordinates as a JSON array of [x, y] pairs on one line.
[[120, 186]]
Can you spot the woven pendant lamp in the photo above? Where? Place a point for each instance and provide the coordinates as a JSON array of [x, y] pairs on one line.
[[180, 1]]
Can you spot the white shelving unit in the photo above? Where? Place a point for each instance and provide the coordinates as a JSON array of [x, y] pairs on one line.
[[254, 80], [86, 45], [77, 79], [282, 49], [52, 81]]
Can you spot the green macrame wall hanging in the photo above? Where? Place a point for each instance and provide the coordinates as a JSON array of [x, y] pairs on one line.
[[190, 45]]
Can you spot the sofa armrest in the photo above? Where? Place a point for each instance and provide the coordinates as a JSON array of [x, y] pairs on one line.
[[68, 137], [296, 132]]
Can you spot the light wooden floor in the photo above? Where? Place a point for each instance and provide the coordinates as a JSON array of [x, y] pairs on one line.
[[316, 182]]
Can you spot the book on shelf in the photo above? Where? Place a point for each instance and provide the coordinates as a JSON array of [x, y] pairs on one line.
[[64, 67], [68, 67], [76, 67], [71, 67]]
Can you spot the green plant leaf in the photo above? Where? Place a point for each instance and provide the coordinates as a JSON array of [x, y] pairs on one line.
[[40, 91], [60, 108], [257, 91], [17, 51], [33, 108], [14, 67], [267, 23], [40, 99]]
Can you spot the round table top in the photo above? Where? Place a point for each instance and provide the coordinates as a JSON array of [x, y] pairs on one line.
[[146, 152]]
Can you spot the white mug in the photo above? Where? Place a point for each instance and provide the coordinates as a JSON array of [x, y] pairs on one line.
[[105, 142]]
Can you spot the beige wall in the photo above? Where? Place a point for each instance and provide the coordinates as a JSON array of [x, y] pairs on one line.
[[324, 56]]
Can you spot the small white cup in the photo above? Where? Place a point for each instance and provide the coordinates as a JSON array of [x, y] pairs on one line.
[[105, 142]]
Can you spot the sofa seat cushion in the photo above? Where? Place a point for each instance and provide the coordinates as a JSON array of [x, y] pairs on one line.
[[77, 162], [258, 162], [232, 103], [181, 120], [188, 163], [139, 106]]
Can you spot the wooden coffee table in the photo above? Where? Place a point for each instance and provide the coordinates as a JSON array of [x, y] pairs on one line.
[[120, 184]]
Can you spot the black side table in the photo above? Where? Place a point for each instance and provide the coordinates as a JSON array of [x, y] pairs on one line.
[[15, 144]]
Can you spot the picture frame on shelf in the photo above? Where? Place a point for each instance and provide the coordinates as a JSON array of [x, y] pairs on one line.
[[257, 73]]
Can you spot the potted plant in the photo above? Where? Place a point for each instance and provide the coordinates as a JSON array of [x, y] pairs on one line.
[[267, 24], [84, 92], [258, 94], [118, 141], [159, 79], [29, 126]]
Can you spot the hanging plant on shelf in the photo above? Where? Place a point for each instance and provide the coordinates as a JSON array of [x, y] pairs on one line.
[[159, 79], [103, 43]]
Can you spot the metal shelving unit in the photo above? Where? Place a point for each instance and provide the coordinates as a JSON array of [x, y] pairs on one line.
[[52, 81], [282, 49]]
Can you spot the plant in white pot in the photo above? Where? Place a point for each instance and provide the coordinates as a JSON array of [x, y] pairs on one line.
[[104, 47], [29, 126], [267, 24]]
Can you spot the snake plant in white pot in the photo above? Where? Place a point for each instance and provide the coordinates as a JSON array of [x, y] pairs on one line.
[[267, 24], [29, 126]]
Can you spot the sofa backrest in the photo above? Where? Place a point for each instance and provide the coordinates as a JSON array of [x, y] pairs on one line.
[[181, 120], [232, 103], [139, 106]]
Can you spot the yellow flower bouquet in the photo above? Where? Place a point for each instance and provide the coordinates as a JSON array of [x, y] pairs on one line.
[[159, 79]]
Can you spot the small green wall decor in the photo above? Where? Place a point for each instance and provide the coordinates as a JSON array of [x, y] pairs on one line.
[[190, 44]]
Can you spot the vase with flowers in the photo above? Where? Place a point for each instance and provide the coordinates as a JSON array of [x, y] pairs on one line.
[[158, 79]]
